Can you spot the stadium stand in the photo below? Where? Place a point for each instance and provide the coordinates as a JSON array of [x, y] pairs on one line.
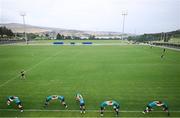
[[171, 45]]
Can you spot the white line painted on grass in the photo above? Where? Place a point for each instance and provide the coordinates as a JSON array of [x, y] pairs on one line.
[[30, 68], [8, 81], [45, 110]]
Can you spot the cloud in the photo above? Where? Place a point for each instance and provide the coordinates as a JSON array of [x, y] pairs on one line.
[[143, 15]]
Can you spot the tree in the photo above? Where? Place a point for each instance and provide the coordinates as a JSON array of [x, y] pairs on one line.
[[47, 35], [68, 37], [59, 37], [32, 36], [4, 32], [92, 37], [76, 38]]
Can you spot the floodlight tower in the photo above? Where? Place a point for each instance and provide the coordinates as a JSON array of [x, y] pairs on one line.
[[124, 14], [23, 14]]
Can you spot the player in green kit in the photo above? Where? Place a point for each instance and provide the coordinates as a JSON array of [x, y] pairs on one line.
[[16, 100], [81, 102], [154, 104], [55, 97], [112, 103]]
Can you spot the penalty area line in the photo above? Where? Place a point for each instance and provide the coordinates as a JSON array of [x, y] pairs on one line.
[[45, 110]]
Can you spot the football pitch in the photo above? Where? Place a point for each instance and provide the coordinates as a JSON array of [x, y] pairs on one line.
[[133, 75]]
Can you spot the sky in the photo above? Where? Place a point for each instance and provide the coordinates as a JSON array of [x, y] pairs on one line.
[[143, 16]]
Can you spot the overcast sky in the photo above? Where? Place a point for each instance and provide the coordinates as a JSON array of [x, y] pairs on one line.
[[144, 16]]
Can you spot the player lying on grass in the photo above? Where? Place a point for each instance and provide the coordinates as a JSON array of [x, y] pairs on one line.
[[154, 104], [112, 103], [81, 102], [16, 100], [55, 97]]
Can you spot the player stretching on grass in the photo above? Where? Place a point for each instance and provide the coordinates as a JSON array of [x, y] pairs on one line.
[[110, 103], [55, 97], [16, 100], [81, 102], [153, 104]]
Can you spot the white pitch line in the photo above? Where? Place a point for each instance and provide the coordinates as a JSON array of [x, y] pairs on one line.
[[8, 81], [45, 110], [29, 69]]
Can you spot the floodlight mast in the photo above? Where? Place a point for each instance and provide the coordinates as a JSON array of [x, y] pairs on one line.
[[25, 37], [124, 13]]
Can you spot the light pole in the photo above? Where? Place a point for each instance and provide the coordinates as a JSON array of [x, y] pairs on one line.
[[25, 37], [124, 13]]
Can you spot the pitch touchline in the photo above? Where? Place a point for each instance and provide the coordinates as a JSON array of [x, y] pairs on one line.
[[74, 110], [30, 68]]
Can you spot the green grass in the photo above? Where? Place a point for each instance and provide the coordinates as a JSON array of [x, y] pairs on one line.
[[131, 75]]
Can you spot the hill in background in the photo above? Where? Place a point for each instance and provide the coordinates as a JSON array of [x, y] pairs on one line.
[[19, 28]]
